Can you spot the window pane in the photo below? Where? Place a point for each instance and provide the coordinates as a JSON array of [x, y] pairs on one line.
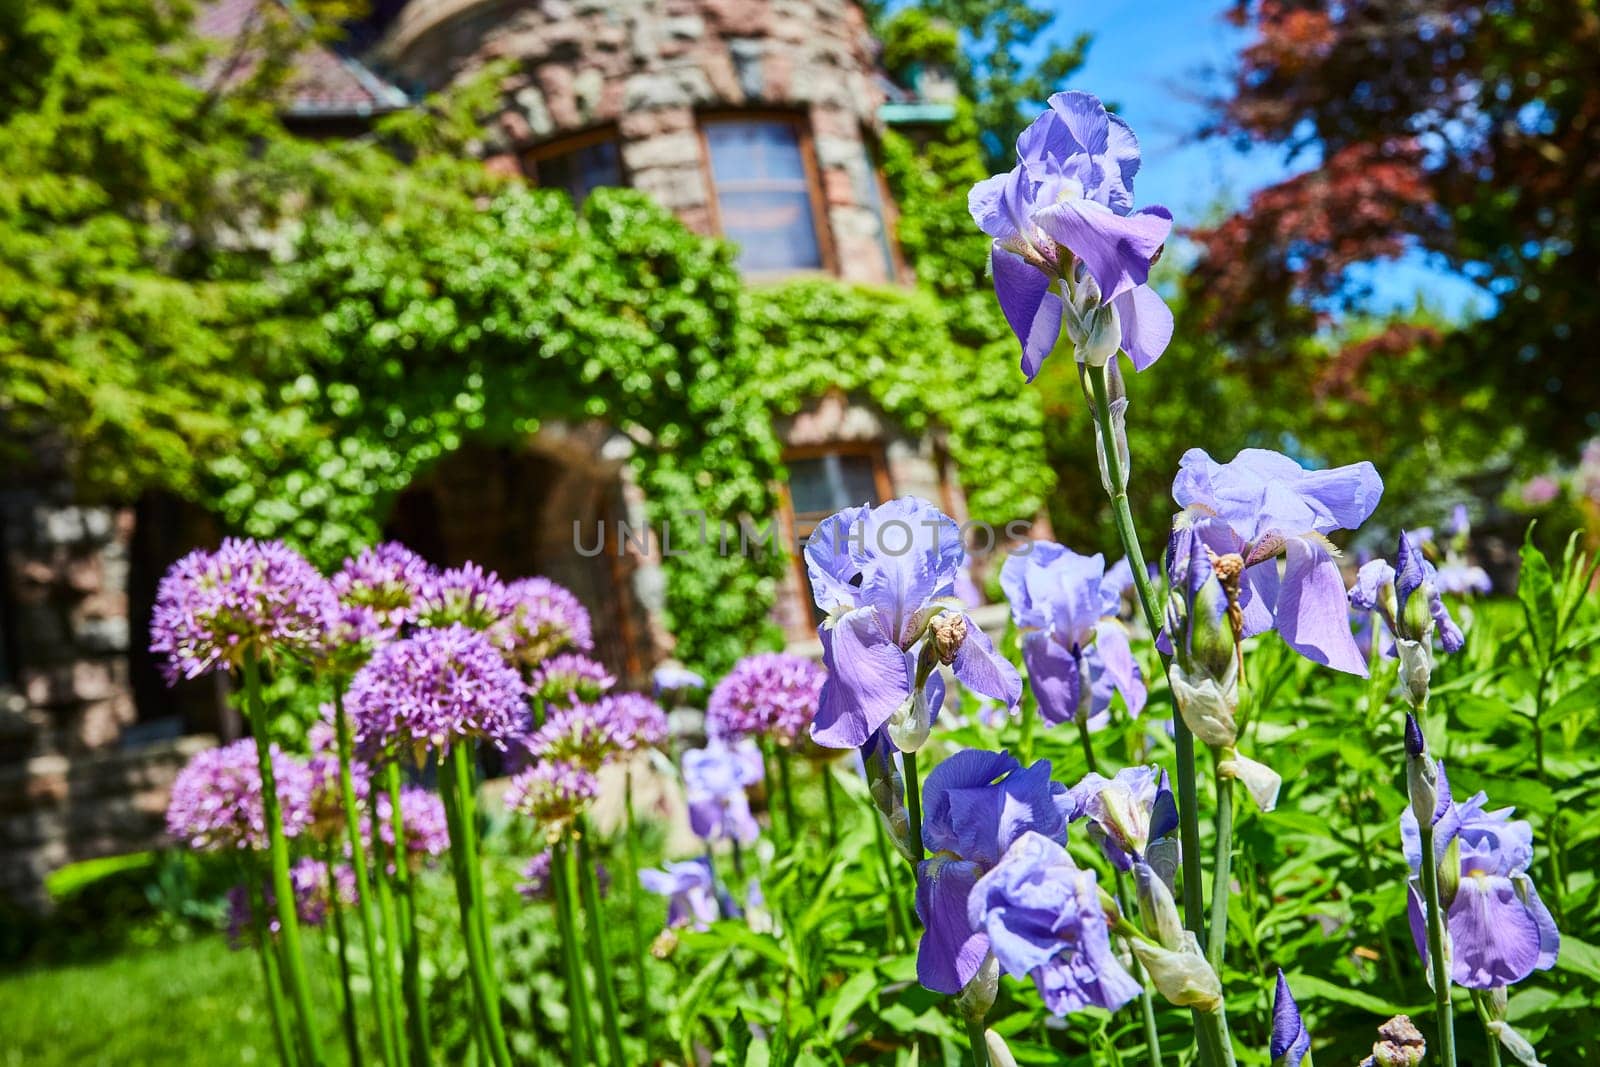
[[764, 196], [582, 170], [820, 486]]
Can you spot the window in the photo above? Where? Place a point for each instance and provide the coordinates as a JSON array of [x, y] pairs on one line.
[[766, 193], [823, 481], [579, 165]]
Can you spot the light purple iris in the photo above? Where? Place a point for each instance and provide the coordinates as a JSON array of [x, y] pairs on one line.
[[690, 890], [715, 779], [1067, 243], [1076, 650], [1500, 931], [1389, 591], [1263, 505], [1127, 813], [885, 576], [1290, 1041], [975, 805], [675, 679], [1043, 917]]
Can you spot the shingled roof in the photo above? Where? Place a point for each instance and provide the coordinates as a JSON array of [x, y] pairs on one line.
[[323, 83]]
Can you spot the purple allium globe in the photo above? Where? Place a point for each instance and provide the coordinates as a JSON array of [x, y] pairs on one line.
[[216, 798], [247, 598], [541, 619], [589, 735], [386, 579], [467, 596], [312, 898], [635, 720], [570, 678], [423, 821], [770, 694], [433, 690], [552, 793], [350, 635]]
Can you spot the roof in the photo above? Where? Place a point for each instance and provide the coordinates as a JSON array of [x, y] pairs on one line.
[[323, 83]]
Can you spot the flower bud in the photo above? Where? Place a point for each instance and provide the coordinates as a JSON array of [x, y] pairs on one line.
[[1181, 975], [977, 996], [1096, 333], [1514, 1043], [1157, 908], [1400, 1044], [912, 723], [1209, 707], [1426, 784], [1119, 435], [1449, 873], [1260, 781], [1416, 669], [999, 1054]]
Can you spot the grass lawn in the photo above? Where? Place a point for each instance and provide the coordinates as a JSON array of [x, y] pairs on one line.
[[193, 1002]]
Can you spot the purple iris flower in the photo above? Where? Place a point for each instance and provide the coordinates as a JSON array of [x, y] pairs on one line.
[[1075, 648], [1262, 505], [690, 890], [885, 576], [1390, 591], [1127, 813], [975, 804], [1068, 246], [715, 779], [1290, 1041], [1043, 917], [1500, 931]]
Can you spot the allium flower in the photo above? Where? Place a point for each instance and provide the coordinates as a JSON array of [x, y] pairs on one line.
[[690, 890], [216, 799], [1499, 930], [673, 678], [326, 796], [386, 579], [1258, 507], [580, 734], [247, 598], [635, 720], [1076, 650], [308, 879], [1407, 597], [1068, 246], [570, 678], [540, 620], [467, 596], [432, 690], [886, 578], [975, 805], [350, 635], [715, 779], [423, 822], [1128, 813], [1043, 917], [770, 694], [536, 874], [552, 793], [1290, 1042]]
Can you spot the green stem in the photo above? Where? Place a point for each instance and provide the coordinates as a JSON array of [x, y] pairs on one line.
[[1088, 745], [1030, 712], [278, 857], [913, 804], [383, 964], [1147, 1005], [1183, 739], [635, 929], [1443, 1011], [377, 965], [416, 1004], [788, 794], [898, 928], [1488, 1032], [562, 878], [352, 1039], [457, 780], [276, 1005], [599, 948], [978, 1043], [1222, 871], [831, 805]]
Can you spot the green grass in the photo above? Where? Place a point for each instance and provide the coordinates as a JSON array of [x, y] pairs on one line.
[[190, 1002]]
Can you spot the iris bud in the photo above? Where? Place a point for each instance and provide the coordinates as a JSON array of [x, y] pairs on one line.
[[977, 996], [1181, 975], [1157, 908]]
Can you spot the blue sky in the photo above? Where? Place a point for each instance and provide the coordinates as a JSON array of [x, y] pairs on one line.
[[1157, 60]]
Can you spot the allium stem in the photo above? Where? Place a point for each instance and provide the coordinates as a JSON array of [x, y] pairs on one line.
[[460, 810], [352, 1037], [599, 946], [561, 878], [276, 1005], [377, 965], [1488, 1032], [1183, 739], [1440, 966], [635, 931], [278, 857], [913, 804], [1222, 870], [410, 948], [382, 964]]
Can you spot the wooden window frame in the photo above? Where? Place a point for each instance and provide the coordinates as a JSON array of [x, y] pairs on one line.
[[874, 450], [566, 144], [800, 121]]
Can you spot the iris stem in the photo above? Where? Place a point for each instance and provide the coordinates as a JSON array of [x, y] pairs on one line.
[[978, 1043], [276, 1005], [898, 926], [416, 1005], [831, 805], [377, 966], [635, 931], [459, 807], [599, 947], [1089, 761], [1222, 871], [913, 805], [1443, 1010], [1488, 1032], [278, 857], [561, 879], [1183, 739]]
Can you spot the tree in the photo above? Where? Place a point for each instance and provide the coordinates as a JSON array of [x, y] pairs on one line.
[[1468, 130]]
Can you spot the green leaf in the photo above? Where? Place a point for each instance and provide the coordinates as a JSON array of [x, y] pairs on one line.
[[1536, 593], [849, 997], [1309, 987], [1579, 957]]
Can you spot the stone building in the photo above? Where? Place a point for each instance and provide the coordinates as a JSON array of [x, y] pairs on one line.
[[754, 120]]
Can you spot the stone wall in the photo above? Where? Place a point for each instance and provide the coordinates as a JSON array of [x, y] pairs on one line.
[[648, 68]]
